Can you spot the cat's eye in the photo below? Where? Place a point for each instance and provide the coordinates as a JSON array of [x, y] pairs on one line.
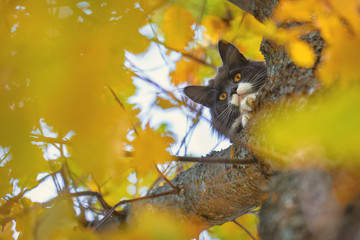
[[222, 96], [237, 77]]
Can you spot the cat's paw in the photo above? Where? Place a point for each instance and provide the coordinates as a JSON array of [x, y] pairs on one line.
[[245, 117], [247, 104]]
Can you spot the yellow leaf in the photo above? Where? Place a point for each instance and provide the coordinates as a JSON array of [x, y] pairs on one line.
[[164, 103], [295, 10], [247, 34], [177, 27], [215, 27], [281, 36], [25, 220], [301, 53], [17, 120], [152, 5], [6, 233], [78, 233], [59, 218], [149, 149], [130, 23], [105, 135], [27, 161], [186, 71], [5, 185], [349, 10], [341, 52], [230, 230], [167, 226]]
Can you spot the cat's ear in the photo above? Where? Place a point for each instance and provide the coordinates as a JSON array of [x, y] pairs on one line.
[[230, 55], [201, 94]]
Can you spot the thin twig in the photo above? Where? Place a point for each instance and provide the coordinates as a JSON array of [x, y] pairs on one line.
[[190, 131], [116, 97], [5, 156], [76, 194], [187, 55], [123, 108], [39, 138], [156, 85], [158, 45], [199, 20], [249, 160], [165, 178], [244, 229], [10, 201]]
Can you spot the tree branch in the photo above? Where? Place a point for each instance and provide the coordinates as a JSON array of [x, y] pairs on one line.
[[250, 160], [187, 55]]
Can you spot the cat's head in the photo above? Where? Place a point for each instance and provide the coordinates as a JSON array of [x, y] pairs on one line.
[[235, 79]]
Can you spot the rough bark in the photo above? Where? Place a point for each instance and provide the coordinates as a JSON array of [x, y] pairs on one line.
[[212, 194], [260, 9]]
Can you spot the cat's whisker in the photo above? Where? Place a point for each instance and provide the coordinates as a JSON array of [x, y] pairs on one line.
[[228, 116], [225, 116], [258, 76], [260, 73], [224, 104], [223, 113]]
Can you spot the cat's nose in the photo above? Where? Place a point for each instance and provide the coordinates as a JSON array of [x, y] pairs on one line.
[[233, 90]]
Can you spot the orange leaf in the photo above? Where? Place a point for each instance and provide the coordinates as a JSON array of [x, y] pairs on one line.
[[215, 27], [6, 233], [301, 53], [177, 27], [164, 103], [149, 148], [186, 71]]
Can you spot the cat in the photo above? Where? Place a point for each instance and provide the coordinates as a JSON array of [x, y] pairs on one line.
[[232, 93]]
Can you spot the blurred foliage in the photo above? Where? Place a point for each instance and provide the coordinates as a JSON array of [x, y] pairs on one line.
[[65, 83], [321, 131]]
